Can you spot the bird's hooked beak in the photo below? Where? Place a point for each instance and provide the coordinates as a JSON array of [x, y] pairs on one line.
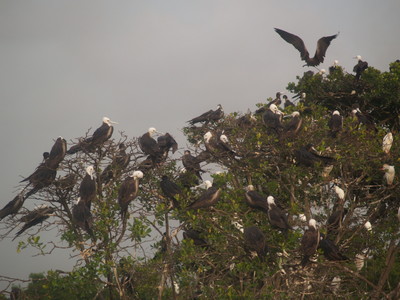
[[112, 122]]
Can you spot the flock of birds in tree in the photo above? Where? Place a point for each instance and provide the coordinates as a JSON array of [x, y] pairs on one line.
[[216, 144]]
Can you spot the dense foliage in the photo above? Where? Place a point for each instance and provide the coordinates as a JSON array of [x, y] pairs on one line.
[[145, 256]]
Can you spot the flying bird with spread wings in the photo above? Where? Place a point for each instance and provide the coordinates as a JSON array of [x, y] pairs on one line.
[[322, 45]]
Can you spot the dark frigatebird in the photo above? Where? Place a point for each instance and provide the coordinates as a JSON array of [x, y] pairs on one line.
[[43, 176], [331, 251], [322, 45], [128, 191], [35, 217], [365, 119], [277, 217], [254, 240], [307, 156], [12, 207], [273, 118], [166, 142], [192, 163], [87, 189], [255, 200], [57, 153], [100, 135], [170, 190], [118, 164], [287, 102], [82, 216], [209, 116], [360, 67], [309, 242], [208, 198], [335, 124], [148, 144]]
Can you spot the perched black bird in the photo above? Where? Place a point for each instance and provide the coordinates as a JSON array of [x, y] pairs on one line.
[[335, 123], [57, 153], [150, 147], [13, 206], [277, 217], [255, 200], [309, 242], [273, 118], [170, 190], [254, 240], [117, 165], [208, 198], [364, 119], [43, 176], [128, 191], [307, 156], [195, 236], [209, 116], [35, 217], [322, 45], [166, 142], [82, 216], [331, 251], [100, 135], [87, 189], [360, 67], [218, 145], [287, 102], [192, 163]]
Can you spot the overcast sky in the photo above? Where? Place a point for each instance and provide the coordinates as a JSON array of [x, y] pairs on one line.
[[66, 64]]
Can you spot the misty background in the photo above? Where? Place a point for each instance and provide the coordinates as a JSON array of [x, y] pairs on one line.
[[66, 64]]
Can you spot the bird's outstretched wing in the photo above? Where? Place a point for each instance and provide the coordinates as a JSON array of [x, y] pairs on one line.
[[323, 44], [297, 42]]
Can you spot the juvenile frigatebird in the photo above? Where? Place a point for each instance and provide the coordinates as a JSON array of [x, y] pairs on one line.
[[87, 189], [208, 198], [335, 124], [255, 200], [128, 191], [100, 135], [277, 217], [309, 242]]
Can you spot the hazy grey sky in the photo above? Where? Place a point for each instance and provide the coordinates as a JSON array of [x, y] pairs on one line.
[[66, 64]]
